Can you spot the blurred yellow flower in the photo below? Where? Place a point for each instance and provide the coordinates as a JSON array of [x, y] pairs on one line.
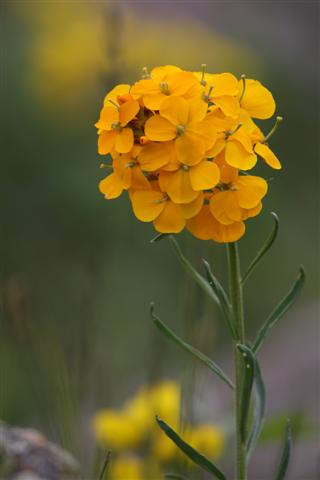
[[207, 439], [127, 467], [116, 429]]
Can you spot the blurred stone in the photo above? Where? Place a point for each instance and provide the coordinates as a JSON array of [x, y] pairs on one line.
[[26, 454]]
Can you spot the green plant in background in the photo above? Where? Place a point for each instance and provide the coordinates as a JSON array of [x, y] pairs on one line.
[[182, 144]]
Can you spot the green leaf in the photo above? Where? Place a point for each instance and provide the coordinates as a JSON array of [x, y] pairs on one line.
[[259, 408], [189, 451], [280, 310], [301, 423], [264, 249], [222, 296], [246, 387], [285, 456], [199, 279], [188, 348]]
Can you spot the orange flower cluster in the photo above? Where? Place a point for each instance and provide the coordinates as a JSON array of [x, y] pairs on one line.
[[181, 144]]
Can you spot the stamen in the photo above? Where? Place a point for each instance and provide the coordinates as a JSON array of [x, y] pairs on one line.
[[181, 129], [232, 132], [273, 129], [164, 88], [243, 78], [145, 73], [203, 71], [164, 199], [185, 168], [116, 126], [131, 164], [206, 97]]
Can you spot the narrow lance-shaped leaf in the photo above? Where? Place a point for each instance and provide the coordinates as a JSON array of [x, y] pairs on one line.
[[246, 387], [285, 456], [280, 310], [259, 408], [222, 296], [189, 451], [264, 249], [188, 348], [199, 279]]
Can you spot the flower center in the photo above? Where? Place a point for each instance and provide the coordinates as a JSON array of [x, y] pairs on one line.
[[116, 126], [185, 168], [181, 129], [164, 87]]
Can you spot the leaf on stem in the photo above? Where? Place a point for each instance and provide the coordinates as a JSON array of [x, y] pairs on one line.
[[222, 296], [188, 348], [259, 408], [246, 387], [280, 310], [199, 279], [264, 249], [189, 451], [285, 456]]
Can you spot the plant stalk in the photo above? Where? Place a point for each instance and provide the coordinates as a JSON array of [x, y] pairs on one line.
[[236, 298]]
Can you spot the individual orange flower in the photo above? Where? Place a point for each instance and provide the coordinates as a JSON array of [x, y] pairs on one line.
[[163, 82], [167, 216], [184, 185], [184, 122], [127, 175], [113, 131], [235, 140], [222, 91], [238, 200]]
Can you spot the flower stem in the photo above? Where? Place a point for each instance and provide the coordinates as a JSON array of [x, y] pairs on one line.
[[236, 297]]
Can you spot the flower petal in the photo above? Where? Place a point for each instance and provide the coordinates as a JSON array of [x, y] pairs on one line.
[[170, 219], [106, 141], [237, 156], [147, 204], [225, 208], [204, 175], [223, 83], [191, 209], [124, 140], [158, 128], [229, 105], [153, 102], [179, 187], [108, 116], [228, 233], [121, 89], [128, 111], [155, 155], [267, 154], [111, 186], [250, 190], [202, 225], [175, 109], [190, 149], [257, 100]]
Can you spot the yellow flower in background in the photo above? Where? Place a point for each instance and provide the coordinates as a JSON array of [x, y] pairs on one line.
[[181, 143], [127, 467], [207, 439]]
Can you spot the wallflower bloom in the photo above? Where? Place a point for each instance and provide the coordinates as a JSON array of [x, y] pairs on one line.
[[113, 130], [182, 144]]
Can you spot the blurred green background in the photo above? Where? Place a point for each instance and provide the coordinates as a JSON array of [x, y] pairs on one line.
[[78, 273]]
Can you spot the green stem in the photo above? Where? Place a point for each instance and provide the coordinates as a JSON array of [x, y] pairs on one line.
[[236, 297]]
